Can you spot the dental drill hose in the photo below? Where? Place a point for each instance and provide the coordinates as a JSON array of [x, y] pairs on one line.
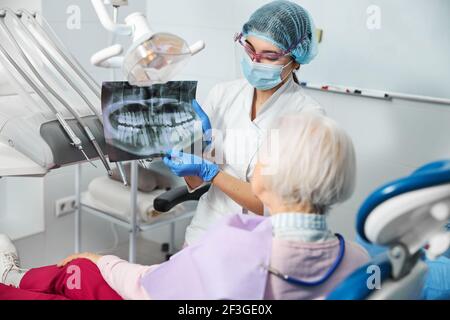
[[60, 48], [48, 56], [84, 76], [50, 89], [76, 142]]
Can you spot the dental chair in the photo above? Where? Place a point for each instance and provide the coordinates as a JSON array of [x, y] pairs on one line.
[[409, 217]]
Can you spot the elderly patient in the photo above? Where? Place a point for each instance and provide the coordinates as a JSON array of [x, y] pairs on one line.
[[306, 165]]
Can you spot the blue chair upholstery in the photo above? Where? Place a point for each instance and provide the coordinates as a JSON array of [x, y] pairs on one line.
[[437, 284], [433, 174], [372, 249]]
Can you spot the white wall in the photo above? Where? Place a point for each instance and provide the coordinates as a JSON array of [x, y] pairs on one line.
[[17, 4], [408, 53]]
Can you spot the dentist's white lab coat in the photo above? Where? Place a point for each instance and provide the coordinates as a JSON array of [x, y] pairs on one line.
[[229, 109]]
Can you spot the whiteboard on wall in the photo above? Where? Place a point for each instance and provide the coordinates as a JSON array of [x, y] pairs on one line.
[[393, 46]]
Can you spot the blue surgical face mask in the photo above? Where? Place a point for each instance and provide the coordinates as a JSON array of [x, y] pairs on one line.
[[262, 76]]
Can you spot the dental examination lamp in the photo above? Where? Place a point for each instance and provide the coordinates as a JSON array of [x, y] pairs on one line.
[[152, 58]]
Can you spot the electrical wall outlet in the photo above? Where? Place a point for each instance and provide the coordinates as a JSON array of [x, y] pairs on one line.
[[65, 206]]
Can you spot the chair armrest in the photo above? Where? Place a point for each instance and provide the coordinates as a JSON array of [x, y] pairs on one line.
[[168, 200]]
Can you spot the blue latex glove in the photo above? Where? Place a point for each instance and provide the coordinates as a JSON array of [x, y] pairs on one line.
[[437, 281], [206, 124], [188, 165]]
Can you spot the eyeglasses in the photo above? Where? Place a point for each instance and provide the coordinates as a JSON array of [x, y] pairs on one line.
[[272, 56]]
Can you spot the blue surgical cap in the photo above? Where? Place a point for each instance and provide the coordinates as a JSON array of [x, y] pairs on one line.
[[285, 24]]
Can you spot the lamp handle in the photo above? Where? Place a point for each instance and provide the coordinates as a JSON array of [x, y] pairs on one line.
[[197, 47], [108, 57]]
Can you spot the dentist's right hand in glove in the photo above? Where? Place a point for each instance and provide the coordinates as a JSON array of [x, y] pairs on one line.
[[189, 165], [197, 170]]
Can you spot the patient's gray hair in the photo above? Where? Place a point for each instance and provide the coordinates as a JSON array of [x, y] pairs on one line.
[[314, 160]]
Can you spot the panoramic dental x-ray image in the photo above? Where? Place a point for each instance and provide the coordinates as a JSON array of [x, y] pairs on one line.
[[147, 122]]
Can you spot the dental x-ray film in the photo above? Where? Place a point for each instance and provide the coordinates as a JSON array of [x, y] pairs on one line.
[[147, 122]]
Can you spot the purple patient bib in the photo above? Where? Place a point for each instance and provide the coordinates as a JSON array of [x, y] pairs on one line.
[[224, 264]]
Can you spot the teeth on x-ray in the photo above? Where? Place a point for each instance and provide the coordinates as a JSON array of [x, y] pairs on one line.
[[139, 126], [131, 124], [152, 120]]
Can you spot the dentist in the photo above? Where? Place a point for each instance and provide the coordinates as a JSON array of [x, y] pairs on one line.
[[277, 40]]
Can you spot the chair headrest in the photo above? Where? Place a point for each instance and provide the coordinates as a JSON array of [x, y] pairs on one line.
[[435, 174]]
